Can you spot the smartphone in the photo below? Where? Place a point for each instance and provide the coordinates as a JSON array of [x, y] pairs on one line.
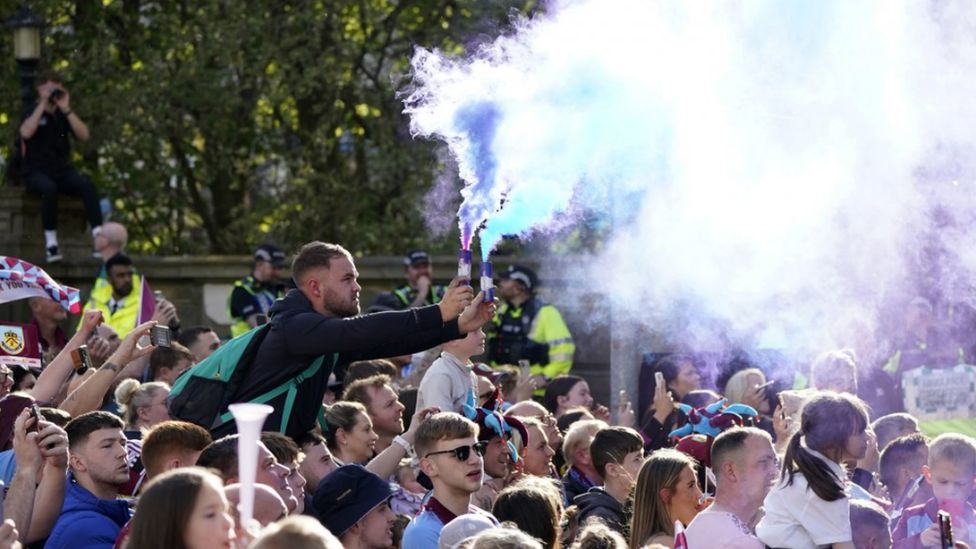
[[659, 380], [260, 319], [158, 295], [526, 368], [36, 414], [81, 360], [160, 336], [945, 530]]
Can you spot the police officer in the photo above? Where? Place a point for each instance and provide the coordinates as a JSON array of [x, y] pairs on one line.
[[526, 327], [419, 289], [253, 295]]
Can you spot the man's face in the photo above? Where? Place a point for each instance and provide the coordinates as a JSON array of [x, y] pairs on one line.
[[464, 476], [510, 289], [386, 411], [497, 458], [275, 475], [120, 277], [169, 375], [297, 483], [757, 469], [47, 310], [206, 343], [417, 271], [318, 463], [264, 271], [336, 288], [102, 457], [376, 530]]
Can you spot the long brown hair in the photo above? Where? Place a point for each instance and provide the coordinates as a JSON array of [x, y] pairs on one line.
[[827, 421], [535, 505], [651, 515], [165, 508]]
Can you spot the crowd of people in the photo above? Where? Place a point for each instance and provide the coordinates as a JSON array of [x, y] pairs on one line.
[[438, 420]]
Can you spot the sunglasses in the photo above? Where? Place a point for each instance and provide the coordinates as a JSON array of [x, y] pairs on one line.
[[462, 453]]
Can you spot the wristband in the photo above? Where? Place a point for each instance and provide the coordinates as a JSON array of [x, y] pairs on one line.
[[402, 442], [110, 366]]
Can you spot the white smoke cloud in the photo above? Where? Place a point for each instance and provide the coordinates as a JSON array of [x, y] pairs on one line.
[[766, 163]]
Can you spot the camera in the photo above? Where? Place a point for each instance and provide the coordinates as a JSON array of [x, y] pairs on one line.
[[56, 94], [160, 336]]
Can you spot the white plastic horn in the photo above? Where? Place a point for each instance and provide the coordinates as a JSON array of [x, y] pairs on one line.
[[249, 418]]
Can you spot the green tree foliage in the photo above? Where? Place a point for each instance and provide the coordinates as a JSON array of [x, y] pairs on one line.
[[219, 124]]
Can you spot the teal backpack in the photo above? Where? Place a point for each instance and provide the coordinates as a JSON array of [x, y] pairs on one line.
[[202, 394]]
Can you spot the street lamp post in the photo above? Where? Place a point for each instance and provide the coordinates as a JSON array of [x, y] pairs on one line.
[[26, 26]]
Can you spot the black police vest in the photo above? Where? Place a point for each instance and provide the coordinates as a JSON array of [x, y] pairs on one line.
[[511, 340]]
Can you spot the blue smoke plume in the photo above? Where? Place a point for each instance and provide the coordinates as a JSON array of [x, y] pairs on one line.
[[760, 159]]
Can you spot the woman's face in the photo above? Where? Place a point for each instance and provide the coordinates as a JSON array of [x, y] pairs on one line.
[[156, 412], [687, 380], [360, 441], [578, 396], [210, 524], [685, 497], [537, 453]]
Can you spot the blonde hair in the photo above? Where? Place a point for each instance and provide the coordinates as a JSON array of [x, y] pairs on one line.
[[829, 362], [296, 532], [442, 426], [738, 385], [132, 395], [651, 516], [954, 448], [580, 433]]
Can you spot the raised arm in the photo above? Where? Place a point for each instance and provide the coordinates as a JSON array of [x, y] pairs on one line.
[[88, 396], [52, 378]]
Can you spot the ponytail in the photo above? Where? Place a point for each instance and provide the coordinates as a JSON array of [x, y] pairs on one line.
[[820, 477], [827, 421]]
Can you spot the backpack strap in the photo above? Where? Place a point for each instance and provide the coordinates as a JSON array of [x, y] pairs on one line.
[[289, 388]]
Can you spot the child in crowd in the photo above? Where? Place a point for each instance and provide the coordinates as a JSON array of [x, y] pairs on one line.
[[408, 496], [951, 471], [810, 507]]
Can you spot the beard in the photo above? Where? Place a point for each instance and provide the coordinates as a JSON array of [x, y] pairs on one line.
[[343, 308]]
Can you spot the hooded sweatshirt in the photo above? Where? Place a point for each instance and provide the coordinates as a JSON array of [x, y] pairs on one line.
[[598, 503], [87, 521]]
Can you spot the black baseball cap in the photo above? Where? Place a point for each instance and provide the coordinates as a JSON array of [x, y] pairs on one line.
[[521, 273], [346, 496], [270, 253], [416, 257]]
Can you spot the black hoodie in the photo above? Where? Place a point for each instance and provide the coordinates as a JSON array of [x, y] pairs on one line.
[[299, 335], [598, 503]]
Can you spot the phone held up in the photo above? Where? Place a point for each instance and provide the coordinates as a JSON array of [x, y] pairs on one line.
[[81, 359], [160, 336]]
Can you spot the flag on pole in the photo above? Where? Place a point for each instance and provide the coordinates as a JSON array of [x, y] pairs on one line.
[[21, 280]]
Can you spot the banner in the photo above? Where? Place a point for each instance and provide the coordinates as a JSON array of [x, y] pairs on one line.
[[943, 400], [19, 344], [22, 280]]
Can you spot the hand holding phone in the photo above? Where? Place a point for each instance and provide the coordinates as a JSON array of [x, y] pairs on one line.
[[81, 359], [35, 413], [945, 530], [160, 336]]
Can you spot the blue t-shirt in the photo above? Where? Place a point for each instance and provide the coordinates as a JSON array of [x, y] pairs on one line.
[[8, 466]]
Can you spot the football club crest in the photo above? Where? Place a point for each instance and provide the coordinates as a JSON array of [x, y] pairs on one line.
[[12, 340]]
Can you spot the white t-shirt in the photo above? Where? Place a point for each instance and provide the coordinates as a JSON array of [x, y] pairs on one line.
[[796, 518], [720, 530]]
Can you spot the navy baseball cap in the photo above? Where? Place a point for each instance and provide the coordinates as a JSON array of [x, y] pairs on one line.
[[346, 496], [521, 273], [416, 257], [270, 253]]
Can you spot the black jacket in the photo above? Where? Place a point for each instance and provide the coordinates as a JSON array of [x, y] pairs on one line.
[[598, 503], [299, 335]]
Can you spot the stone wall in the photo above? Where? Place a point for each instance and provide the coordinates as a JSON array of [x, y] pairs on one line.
[[199, 285]]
